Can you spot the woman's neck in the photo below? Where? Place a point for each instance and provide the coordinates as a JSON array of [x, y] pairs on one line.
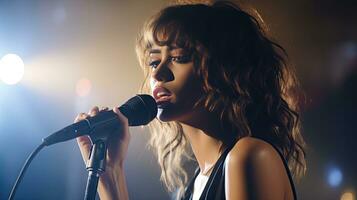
[[202, 133], [205, 148]]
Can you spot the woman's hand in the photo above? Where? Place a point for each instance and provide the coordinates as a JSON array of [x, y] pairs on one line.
[[112, 182], [118, 141]]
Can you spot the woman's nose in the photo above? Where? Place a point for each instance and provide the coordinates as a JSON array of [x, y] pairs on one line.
[[162, 73]]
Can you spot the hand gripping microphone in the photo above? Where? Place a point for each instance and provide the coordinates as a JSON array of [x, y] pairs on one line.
[[139, 110]]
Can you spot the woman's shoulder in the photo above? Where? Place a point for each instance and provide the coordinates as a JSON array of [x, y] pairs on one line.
[[249, 149], [255, 162]]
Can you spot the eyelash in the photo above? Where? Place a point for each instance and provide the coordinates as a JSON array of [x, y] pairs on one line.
[[177, 59]]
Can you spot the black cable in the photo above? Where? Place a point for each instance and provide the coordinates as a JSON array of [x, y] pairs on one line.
[[24, 168]]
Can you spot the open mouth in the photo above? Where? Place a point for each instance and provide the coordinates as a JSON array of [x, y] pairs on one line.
[[162, 96]]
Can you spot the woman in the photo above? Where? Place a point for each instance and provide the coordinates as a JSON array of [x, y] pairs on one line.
[[225, 94]]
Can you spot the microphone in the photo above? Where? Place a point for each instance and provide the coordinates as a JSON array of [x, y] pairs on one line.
[[140, 110]]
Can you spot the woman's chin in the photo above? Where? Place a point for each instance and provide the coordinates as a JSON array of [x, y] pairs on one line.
[[167, 114], [163, 115], [171, 112]]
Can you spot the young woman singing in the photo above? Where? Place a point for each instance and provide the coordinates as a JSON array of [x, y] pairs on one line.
[[226, 97]]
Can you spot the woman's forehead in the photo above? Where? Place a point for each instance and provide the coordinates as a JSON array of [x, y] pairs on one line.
[[171, 38]]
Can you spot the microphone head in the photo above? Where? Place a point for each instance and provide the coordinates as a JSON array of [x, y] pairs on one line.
[[140, 109]]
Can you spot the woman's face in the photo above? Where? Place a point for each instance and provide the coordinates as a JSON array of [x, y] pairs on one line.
[[173, 82]]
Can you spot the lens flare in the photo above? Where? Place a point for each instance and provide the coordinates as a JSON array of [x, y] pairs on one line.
[[83, 87], [12, 69]]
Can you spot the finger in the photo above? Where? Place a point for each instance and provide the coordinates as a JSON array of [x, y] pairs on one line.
[[94, 111], [84, 144], [125, 124], [104, 108], [121, 116], [80, 117]]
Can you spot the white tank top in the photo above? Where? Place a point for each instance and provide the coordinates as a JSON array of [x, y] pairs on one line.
[[199, 185]]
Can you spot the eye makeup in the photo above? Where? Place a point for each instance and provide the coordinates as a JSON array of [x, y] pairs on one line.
[[175, 54]]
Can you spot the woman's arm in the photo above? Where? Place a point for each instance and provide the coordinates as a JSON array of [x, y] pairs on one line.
[[112, 186], [254, 170]]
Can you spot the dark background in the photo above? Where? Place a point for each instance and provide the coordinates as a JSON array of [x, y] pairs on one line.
[[62, 42]]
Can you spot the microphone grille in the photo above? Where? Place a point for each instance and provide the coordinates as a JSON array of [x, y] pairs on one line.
[[140, 109]]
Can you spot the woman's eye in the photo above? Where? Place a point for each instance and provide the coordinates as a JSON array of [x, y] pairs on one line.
[[181, 59], [178, 59], [154, 64]]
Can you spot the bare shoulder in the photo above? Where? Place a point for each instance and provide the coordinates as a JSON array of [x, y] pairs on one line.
[[254, 170], [253, 150]]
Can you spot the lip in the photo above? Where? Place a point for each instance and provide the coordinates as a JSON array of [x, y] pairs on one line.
[[163, 104], [161, 94]]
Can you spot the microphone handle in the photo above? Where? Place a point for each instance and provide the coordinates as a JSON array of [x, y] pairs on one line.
[[107, 120]]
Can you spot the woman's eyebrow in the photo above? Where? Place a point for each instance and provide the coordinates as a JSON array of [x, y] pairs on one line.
[[170, 48], [154, 51]]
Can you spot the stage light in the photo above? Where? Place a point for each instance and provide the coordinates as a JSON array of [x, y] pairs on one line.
[[347, 196], [335, 177], [12, 69], [83, 87]]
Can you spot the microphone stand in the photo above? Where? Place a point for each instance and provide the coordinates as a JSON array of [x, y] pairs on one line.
[[95, 166], [98, 154]]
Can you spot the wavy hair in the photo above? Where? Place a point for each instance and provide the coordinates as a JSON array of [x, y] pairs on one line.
[[244, 75]]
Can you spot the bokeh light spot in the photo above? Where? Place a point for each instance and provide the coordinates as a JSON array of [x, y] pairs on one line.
[[12, 69], [83, 87], [347, 196], [334, 177]]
